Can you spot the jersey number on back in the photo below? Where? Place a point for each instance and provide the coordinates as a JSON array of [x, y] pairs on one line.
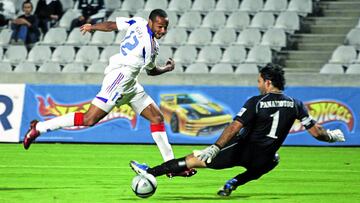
[[129, 43], [274, 125]]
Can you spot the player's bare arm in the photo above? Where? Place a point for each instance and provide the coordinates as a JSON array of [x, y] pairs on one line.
[[107, 26], [169, 66], [320, 133], [209, 153]]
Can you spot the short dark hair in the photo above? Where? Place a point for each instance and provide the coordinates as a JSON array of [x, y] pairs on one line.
[[157, 12], [275, 74], [27, 2]]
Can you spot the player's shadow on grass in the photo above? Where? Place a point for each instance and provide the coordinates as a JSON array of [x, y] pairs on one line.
[[35, 188]]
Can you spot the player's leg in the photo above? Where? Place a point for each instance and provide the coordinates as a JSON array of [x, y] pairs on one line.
[[174, 166], [101, 105], [157, 128], [247, 176], [89, 118]]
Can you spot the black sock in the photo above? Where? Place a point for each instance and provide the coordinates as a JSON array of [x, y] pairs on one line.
[[171, 166]]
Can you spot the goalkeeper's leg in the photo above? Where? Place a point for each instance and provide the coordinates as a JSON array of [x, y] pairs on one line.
[[247, 176]]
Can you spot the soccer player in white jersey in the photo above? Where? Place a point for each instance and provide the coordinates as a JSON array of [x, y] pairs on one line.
[[138, 51]]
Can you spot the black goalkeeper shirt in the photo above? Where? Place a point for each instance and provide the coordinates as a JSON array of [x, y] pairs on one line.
[[267, 120]]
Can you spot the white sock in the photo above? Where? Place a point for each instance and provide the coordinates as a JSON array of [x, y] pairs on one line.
[[56, 123], [162, 142]]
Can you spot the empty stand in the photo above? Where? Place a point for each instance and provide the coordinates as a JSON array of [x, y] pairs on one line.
[[50, 67], [222, 68], [197, 68], [39, 54], [15, 54], [76, 38], [332, 69]]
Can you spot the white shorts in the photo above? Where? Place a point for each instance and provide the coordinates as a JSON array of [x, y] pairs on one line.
[[118, 89]]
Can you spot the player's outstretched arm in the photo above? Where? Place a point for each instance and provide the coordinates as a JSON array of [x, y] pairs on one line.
[[209, 153], [107, 26], [321, 134], [169, 66]]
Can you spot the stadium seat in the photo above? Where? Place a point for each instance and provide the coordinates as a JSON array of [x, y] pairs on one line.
[[25, 67], [190, 20], [108, 52], [214, 20], [87, 55], [5, 66], [118, 13], [185, 54], [249, 37], [1, 53], [176, 36], [66, 19], [301, 7], [289, 21], [274, 38], [173, 18], [332, 69], [197, 68], [165, 52], [66, 4], [275, 6], [142, 13], [244, 68], [63, 54], [353, 69], [76, 38], [227, 5], [200, 37], [132, 5], [234, 54], [102, 38], [111, 5], [259, 55], [251, 6], [343, 55], [15, 54], [39, 54], [97, 67], [119, 37], [154, 4], [224, 37], [179, 6], [222, 68], [262, 21], [50, 67], [55, 36], [203, 5], [353, 38], [73, 68], [209, 54], [5, 36], [238, 20]]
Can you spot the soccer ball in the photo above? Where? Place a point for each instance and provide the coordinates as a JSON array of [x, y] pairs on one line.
[[144, 185]]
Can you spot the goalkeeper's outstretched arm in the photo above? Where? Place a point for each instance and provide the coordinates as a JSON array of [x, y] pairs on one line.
[[320, 133]]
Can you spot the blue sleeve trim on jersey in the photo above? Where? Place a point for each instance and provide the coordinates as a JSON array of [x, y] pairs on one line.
[[149, 31], [102, 99], [131, 22]]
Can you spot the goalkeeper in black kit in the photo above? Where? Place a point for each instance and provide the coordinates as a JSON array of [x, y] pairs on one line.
[[264, 121]]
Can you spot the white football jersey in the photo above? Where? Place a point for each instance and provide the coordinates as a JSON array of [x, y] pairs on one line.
[[138, 49]]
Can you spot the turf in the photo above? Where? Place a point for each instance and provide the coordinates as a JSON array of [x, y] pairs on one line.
[[100, 173]]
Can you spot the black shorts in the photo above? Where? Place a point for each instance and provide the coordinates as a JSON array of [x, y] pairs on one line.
[[240, 153]]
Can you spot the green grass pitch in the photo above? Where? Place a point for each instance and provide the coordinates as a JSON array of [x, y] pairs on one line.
[[100, 173]]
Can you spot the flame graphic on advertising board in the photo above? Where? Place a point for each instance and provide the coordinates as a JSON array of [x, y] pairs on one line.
[[327, 111], [54, 109]]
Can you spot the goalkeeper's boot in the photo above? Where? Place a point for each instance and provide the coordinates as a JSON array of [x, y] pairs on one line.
[[227, 188], [140, 169], [31, 134], [187, 173]]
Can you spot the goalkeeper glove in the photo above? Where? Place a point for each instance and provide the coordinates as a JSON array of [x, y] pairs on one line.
[[207, 154], [336, 135]]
